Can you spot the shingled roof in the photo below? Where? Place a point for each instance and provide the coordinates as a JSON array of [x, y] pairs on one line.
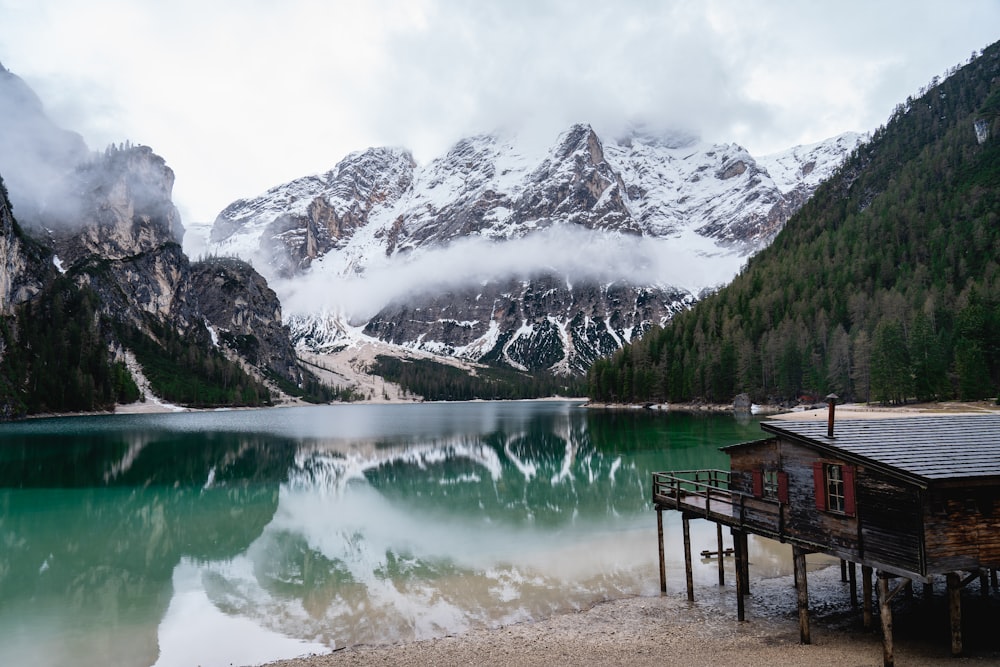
[[929, 448]]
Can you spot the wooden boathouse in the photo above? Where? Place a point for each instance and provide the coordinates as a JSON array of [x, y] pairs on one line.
[[910, 498]]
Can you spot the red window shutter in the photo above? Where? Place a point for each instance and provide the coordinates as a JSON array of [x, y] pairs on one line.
[[849, 504], [783, 487], [819, 482], [758, 483]]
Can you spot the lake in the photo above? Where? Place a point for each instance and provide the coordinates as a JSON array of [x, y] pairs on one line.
[[235, 537]]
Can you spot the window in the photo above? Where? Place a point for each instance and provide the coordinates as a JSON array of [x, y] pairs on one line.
[[770, 484], [834, 485]]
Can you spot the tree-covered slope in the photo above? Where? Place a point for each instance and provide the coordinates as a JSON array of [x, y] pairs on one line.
[[885, 285]]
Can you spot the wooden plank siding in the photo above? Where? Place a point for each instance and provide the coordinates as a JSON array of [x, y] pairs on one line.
[[891, 522], [962, 529]]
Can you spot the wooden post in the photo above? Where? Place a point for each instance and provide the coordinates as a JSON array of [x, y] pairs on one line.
[[928, 592], [843, 570], [663, 562], [993, 578], [885, 613], [866, 595], [955, 611], [722, 553], [739, 556], [745, 570], [799, 558], [852, 571], [984, 583], [688, 572]]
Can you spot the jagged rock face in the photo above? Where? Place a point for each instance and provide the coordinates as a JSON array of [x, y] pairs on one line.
[[536, 324], [295, 223], [122, 207], [237, 303], [714, 201], [24, 264]]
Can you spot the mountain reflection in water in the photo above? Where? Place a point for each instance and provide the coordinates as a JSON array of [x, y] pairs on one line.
[[239, 537]]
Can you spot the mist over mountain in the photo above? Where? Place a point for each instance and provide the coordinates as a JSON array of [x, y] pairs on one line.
[[539, 258], [97, 297]]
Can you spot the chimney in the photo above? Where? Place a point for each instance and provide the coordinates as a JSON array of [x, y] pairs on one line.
[[831, 402]]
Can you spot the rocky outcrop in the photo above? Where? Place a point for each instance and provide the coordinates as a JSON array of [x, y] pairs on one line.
[[537, 324], [244, 313], [295, 223], [25, 265]]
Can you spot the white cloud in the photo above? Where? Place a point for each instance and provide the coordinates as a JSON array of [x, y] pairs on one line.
[[241, 95], [573, 253]]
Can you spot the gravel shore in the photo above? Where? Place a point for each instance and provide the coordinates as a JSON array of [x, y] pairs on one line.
[[669, 630]]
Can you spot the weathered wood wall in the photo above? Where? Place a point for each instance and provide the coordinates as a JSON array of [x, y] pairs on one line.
[[890, 515], [962, 528]]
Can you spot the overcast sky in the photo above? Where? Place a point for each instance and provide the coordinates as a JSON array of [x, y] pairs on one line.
[[240, 95]]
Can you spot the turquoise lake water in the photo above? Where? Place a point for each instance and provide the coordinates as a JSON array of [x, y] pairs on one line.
[[218, 538]]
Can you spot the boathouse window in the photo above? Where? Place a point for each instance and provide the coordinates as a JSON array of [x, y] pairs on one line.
[[834, 484], [771, 484]]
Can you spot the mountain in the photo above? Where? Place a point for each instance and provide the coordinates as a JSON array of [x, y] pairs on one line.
[[883, 287], [498, 251], [96, 294]]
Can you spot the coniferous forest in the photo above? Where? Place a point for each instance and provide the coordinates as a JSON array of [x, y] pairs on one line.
[[884, 287]]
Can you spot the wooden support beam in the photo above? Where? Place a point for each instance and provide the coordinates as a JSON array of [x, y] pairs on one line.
[[852, 571], [984, 583], [993, 578], [955, 611], [688, 572], [843, 570], [663, 560], [799, 558], [740, 556], [928, 592], [885, 615], [866, 595], [722, 554], [745, 570]]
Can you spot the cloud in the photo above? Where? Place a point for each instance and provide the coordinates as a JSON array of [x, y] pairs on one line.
[[241, 95], [572, 253]]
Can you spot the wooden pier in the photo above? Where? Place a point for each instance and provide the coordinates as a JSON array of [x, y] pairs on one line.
[[908, 499]]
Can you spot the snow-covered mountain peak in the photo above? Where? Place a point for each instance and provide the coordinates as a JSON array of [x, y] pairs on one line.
[[445, 254]]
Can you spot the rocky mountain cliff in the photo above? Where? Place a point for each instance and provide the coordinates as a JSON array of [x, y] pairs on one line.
[[98, 272], [542, 259]]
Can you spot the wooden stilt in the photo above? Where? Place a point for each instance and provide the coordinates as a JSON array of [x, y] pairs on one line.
[[852, 571], [663, 562], [928, 591], [955, 611], [993, 578], [688, 572], [745, 570], [984, 583], [799, 558], [843, 570], [739, 556], [722, 553], [866, 595], [885, 614]]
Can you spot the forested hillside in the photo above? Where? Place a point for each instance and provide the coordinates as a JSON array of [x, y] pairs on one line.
[[884, 287]]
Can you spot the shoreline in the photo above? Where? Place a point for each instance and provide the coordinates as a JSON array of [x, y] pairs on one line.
[[669, 630]]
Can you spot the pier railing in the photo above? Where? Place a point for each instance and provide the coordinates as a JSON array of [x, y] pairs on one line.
[[709, 493]]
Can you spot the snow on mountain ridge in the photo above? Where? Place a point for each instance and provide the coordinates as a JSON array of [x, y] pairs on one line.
[[389, 235]]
